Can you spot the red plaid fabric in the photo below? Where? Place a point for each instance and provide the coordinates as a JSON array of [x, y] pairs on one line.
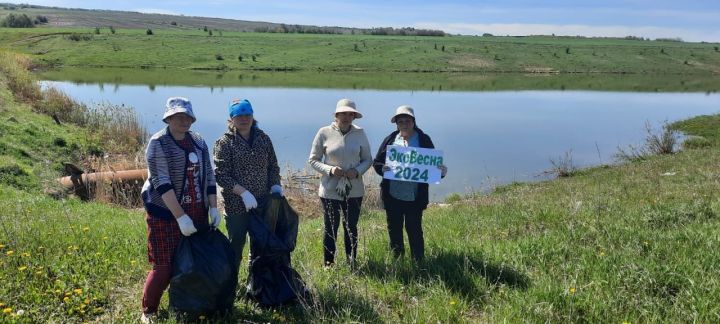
[[164, 235]]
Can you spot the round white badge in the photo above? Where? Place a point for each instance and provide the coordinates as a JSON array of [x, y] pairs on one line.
[[193, 157]]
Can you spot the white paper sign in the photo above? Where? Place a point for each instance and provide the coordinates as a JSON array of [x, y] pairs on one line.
[[414, 164]]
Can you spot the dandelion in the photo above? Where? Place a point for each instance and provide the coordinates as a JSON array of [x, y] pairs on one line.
[[26, 254], [2, 246], [2, 305], [11, 252], [78, 291], [68, 294], [452, 302], [105, 238], [7, 310], [22, 268], [38, 272], [86, 301], [602, 253], [66, 299], [572, 290], [133, 262], [624, 322], [85, 229]]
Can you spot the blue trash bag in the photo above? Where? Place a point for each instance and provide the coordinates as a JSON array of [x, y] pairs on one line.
[[204, 278], [273, 234]]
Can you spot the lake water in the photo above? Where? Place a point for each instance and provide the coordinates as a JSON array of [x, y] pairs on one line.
[[488, 137]]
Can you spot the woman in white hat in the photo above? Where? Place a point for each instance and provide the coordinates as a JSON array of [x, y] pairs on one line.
[[341, 153], [404, 201], [179, 194]]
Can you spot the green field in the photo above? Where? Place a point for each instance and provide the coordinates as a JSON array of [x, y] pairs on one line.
[[195, 50], [637, 242]]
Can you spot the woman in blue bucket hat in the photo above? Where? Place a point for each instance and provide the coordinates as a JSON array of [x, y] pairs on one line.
[[179, 195], [246, 168]]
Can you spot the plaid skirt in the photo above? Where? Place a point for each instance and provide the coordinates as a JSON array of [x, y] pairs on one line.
[[164, 235]]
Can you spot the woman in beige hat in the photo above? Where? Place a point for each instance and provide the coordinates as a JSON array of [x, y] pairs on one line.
[[404, 201], [341, 153]]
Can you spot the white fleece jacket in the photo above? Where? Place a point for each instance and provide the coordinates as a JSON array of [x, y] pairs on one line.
[[331, 148]]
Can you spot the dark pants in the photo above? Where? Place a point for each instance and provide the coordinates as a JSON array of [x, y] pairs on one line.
[[409, 213], [237, 229], [351, 214]]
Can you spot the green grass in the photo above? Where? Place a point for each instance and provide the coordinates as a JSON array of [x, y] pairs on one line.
[[109, 77], [193, 49], [636, 242]]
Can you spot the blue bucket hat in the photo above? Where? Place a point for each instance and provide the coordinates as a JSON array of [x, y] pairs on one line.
[[176, 105], [239, 107]]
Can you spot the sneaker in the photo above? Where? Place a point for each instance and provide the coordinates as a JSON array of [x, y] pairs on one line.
[[148, 318]]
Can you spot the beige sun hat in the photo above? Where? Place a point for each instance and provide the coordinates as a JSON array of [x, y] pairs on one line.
[[403, 110], [345, 105]]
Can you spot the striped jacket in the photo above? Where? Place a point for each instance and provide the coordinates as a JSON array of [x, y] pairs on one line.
[[166, 162]]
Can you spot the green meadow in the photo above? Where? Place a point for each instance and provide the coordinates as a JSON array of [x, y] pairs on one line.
[[194, 49], [634, 242]]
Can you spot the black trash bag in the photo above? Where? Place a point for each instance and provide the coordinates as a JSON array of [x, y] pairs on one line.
[[204, 277], [273, 234]]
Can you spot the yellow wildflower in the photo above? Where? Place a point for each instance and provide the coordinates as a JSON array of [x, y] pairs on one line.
[[87, 301], [68, 294], [133, 262], [78, 291], [602, 253], [572, 290], [38, 272], [7, 310], [2, 246], [105, 238], [11, 252], [22, 268], [86, 229], [66, 299], [2, 304], [26, 254]]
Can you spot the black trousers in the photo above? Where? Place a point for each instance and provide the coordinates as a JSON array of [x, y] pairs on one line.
[[409, 213], [351, 214]]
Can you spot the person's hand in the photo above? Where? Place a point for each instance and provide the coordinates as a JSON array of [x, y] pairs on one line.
[[214, 217], [276, 189], [186, 225], [443, 170], [351, 174], [337, 171], [249, 200]]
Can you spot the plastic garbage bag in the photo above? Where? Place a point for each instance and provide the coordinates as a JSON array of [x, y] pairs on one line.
[[204, 278], [273, 235]]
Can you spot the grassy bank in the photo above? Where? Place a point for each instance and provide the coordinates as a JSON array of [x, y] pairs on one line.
[[632, 243], [194, 49], [112, 77]]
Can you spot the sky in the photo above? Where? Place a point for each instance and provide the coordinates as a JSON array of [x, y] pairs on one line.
[[690, 20]]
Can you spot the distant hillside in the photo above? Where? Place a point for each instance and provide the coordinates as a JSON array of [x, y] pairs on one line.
[[63, 17]]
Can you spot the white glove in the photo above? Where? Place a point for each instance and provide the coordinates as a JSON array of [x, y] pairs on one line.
[[214, 217], [249, 200], [276, 189], [186, 225], [343, 187]]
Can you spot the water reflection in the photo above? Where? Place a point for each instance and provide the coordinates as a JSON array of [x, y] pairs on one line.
[[488, 138]]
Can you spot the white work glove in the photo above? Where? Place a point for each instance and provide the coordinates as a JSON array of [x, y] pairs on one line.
[[186, 225], [214, 217], [276, 189], [249, 200], [343, 187]]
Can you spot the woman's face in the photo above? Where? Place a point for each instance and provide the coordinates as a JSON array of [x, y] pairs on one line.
[[344, 119], [404, 123], [180, 123], [242, 122]]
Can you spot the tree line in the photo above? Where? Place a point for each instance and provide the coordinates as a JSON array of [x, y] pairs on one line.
[[22, 21]]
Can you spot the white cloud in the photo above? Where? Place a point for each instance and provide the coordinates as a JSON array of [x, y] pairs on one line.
[[573, 30]]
